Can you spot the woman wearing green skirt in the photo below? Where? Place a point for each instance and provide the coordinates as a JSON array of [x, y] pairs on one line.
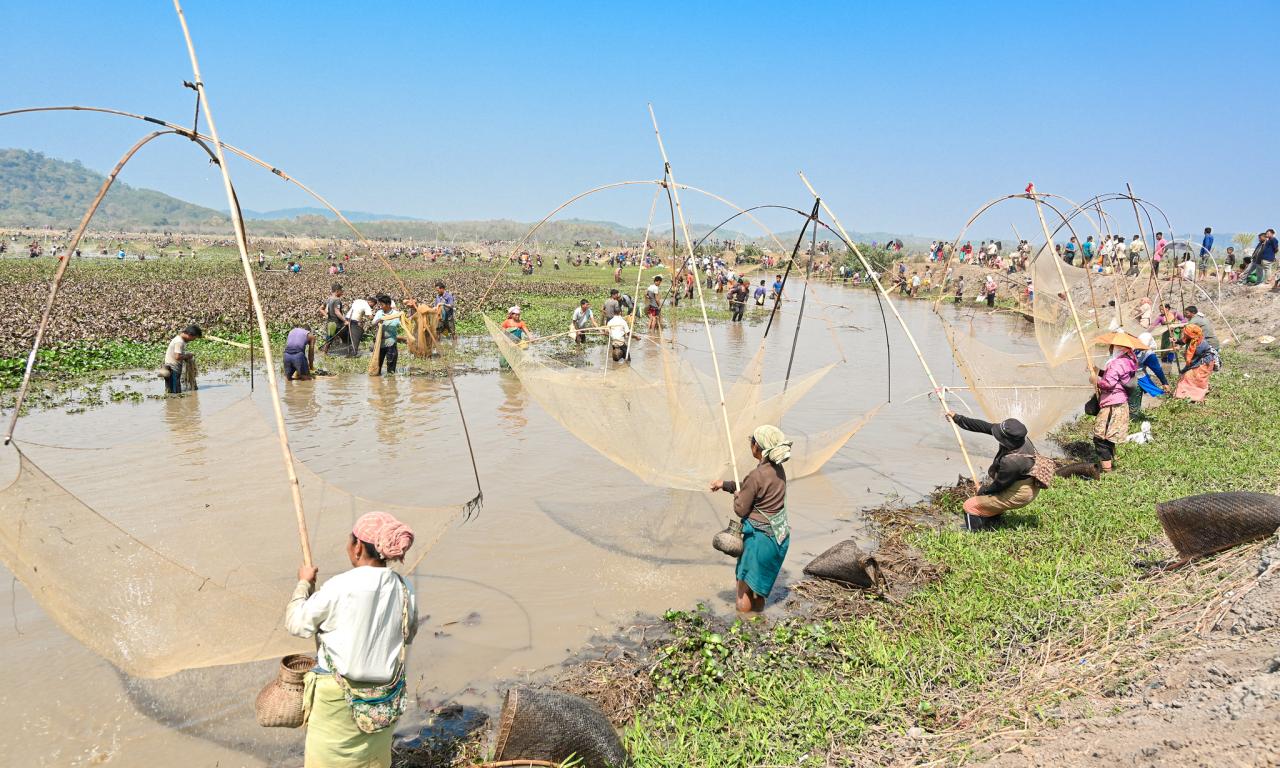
[[761, 503]]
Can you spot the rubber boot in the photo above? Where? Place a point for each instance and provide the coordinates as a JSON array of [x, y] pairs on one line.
[[976, 523]]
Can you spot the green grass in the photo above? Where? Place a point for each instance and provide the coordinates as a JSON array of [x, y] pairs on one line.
[[1062, 570]]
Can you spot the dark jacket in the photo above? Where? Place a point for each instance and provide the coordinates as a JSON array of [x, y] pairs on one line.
[[1010, 464]]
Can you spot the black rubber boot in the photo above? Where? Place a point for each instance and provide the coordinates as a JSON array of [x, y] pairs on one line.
[[976, 523]]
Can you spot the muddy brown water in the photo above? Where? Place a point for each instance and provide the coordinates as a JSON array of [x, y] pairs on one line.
[[567, 547]]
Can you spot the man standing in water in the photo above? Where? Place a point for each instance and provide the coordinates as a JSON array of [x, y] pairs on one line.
[[618, 332], [387, 353], [583, 318], [653, 305], [738, 299], [360, 313], [336, 323], [176, 356], [444, 300], [612, 306], [299, 354]]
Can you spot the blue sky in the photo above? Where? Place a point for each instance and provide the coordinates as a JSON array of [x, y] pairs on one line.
[[907, 116]]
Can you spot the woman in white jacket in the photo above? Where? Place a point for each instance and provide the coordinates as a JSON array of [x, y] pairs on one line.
[[362, 620]]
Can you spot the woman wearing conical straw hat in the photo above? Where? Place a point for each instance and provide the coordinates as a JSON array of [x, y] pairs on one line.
[[761, 503], [1114, 381], [363, 620]]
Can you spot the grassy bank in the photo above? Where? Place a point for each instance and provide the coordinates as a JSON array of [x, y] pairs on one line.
[[1058, 584]]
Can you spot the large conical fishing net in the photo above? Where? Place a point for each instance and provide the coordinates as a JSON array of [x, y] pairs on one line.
[[1022, 387], [1056, 331], [178, 551], [660, 417]]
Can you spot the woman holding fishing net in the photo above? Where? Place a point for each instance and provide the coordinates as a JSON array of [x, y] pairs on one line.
[[362, 620], [1016, 474], [761, 503]]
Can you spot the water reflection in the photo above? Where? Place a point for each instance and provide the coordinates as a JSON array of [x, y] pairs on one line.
[[511, 411]]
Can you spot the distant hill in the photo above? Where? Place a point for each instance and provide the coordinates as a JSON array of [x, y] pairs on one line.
[[354, 216], [36, 190]]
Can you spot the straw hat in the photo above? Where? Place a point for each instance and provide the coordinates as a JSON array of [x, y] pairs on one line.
[[1120, 339]]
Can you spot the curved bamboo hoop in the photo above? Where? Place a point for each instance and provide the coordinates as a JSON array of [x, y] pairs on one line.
[[1057, 262], [243, 246], [56, 283], [901, 322]]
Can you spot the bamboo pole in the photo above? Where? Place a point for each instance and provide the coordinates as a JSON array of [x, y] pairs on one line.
[[1066, 290], [706, 323], [901, 322], [243, 246], [63, 263], [635, 301], [1143, 237]]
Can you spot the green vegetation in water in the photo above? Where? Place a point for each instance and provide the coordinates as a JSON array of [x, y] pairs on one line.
[[1061, 572]]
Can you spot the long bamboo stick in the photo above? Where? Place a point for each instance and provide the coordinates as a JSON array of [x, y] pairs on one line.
[[706, 323], [63, 263], [644, 254], [242, 244], [901, 322], [1066, 290]]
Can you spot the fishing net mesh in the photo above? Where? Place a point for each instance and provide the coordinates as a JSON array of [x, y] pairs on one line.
[[1056, 330], [179, 551], [660, 418], [1022, 387]]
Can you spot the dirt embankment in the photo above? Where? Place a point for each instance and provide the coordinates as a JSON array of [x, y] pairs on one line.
[[1215, 704]]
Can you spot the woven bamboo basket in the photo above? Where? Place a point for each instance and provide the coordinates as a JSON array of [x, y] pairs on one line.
[[279, 703], [729, 541], [1211, 522], [554, 727]]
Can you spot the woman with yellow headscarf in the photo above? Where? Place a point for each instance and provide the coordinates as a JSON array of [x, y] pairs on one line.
[[761, 503]]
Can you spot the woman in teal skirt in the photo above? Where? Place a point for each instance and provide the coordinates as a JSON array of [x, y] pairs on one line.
[[761, 503]]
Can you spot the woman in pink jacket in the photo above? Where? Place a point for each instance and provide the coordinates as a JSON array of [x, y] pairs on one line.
[[1112, 424]]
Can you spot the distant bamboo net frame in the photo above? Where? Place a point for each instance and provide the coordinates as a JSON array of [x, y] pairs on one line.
[[901, 322], [194, 135], [63, 262]]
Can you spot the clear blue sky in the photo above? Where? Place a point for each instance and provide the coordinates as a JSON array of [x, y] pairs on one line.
[[906, 116]]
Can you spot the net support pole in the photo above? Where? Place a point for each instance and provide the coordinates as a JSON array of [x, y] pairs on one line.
[[1143, 237], [1062, 279], [635, 302], [243, 246], [58, 274], [902, 323], [706, 323]]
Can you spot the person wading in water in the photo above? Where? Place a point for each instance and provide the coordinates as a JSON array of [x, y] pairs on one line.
[[761, 503], [362, 621]]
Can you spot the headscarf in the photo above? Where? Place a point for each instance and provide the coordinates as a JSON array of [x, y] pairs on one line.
[[773, 444], [1150, 341], [1192, 334], [389, 537]]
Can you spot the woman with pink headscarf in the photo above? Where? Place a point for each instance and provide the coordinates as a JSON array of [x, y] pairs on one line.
[[362, 620]]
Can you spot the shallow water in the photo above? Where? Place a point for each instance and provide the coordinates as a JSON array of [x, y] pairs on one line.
[[567, 546]]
